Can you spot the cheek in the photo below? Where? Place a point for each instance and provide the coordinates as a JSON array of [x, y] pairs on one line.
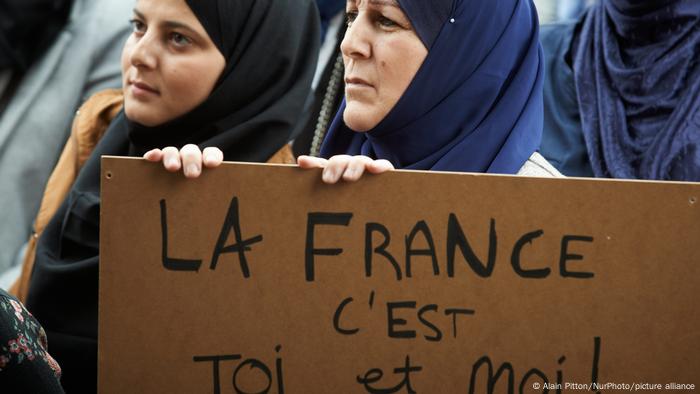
[[190, 82], [184, 88], [400, 61]]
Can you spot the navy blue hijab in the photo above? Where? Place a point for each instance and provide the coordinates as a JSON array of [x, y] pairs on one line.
[[637, 76], [475, 105]]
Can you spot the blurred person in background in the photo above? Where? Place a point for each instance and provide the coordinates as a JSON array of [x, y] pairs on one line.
[[25, 363], [328, 84], [622, 91], [53, 55], [572, 9], [561, 10]]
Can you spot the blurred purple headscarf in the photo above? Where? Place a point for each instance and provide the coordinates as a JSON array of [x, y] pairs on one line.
[[637, 72]]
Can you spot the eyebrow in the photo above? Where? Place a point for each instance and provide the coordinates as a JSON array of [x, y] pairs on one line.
[[171, 24], [390, 3]]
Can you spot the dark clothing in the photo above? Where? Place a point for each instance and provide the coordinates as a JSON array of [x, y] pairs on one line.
[[25, 364]]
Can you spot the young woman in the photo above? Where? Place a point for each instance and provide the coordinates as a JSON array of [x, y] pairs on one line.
[[445, 85], [231, 74]]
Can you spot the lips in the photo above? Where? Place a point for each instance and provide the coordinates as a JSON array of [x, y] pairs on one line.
[[357, 82], [141, 87]]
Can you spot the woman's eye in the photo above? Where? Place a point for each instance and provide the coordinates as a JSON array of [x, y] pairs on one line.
[[386, 22], [351, 16], [137, 26], [179, 39]]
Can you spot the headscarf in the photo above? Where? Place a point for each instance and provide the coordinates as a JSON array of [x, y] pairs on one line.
[[637, 77], [476, 102], [257, 100], [27, 28], [270, 50]]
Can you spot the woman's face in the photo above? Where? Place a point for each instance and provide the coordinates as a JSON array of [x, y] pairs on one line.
[[169, 63], [382, 53]]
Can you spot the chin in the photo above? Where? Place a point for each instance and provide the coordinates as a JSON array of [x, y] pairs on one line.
[[141, 116], [357, 120]]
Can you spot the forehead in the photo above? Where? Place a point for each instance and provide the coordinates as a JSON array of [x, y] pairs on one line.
[[165, 9], [169, 14]]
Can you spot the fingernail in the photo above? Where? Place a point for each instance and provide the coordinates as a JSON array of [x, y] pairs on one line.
[[172, 163], [328, 175], [193, 170]]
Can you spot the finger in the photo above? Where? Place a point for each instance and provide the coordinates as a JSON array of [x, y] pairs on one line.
[[307, 162], [171, 159], [154, 155], [212, 157], [356, 167], [335, 168], [379, 166], [191, 158]]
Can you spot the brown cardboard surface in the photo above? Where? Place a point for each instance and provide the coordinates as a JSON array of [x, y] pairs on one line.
[[634, 322]]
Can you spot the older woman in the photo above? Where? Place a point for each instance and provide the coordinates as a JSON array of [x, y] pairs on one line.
[[451, 85], [445, 85], [194, 72]]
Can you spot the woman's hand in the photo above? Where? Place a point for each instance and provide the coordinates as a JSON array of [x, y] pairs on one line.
[[349, 168], [190, 159]]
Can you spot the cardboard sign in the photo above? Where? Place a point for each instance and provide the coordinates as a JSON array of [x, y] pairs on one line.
[[262, 279]]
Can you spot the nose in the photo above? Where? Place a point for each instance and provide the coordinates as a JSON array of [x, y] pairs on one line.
[[143, 52], [357, 43]]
